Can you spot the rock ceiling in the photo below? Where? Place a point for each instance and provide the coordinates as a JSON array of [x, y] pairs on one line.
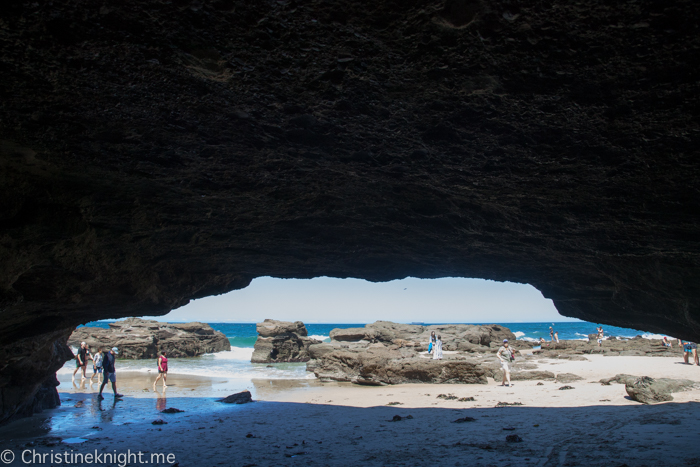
[[159, 151]]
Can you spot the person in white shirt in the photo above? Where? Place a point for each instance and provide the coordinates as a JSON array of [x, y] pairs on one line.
[[505, 355]]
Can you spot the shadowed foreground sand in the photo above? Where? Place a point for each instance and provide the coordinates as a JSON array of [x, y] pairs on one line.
[[301, 423]]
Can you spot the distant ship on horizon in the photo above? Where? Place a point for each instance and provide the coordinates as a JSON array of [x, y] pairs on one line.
[[417, 323]]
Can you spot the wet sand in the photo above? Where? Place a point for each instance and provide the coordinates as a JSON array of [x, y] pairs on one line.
[[310, 423]]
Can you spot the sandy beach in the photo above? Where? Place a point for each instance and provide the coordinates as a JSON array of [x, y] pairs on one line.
[[305, 422]]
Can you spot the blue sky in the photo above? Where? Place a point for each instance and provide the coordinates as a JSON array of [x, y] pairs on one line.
[[330, 300]]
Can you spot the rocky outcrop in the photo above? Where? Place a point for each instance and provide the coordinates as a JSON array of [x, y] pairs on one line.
[[390, 353], [453, 335], [138, 338], [377, 140], [378, 365], [281, 341], [649, 390]]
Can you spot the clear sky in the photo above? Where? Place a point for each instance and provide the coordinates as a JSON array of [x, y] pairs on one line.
[[329, 300]]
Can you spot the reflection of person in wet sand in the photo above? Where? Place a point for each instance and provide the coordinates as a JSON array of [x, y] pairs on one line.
[[162, 370], [161, 400]]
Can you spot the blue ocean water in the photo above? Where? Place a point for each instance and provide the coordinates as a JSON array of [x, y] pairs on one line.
[[243, 335]]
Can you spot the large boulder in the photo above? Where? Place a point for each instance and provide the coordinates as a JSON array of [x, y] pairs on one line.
[[281, 341], [272, 328], [378, 364], [139, 338], [649, 390]]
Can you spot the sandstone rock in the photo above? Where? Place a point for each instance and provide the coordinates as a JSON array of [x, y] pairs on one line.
[[143, 339], [649, 390], [142, 208], [272, 328], [238, 398], [281, 341], [568, 378]]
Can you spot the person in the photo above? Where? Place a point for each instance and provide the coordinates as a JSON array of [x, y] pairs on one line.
[[109, 366], [97, 365], [431, 345], [600, 335], [694, 346], [81, 359], [551, 334], [556, 336], [543, 343], [667, 343], [687, 352], [505, 355], [437, 352], [162, 362]]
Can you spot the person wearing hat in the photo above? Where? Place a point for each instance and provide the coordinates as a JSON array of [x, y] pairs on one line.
[[108, 365], [505, 355]]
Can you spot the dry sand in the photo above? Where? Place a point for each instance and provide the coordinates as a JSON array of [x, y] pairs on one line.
[[310, 423]]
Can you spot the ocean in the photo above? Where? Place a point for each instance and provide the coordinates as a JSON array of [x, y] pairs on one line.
[[235, 364]]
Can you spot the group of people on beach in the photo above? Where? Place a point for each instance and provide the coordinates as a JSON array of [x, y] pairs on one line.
[[104, 361], [435, 346]]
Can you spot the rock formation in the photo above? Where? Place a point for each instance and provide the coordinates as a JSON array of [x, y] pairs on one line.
[[649, 390], [281, 341], [390, 353], [139, 338], [157, 152]]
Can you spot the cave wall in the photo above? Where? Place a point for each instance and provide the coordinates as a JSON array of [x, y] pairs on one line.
[[154, 152]]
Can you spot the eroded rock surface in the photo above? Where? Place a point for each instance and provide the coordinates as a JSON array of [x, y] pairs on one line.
[[156, 152], [139, 338], [389, 353], [650, 390], [281, 341]]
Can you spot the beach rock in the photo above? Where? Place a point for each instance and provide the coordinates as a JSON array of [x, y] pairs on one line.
[[238, 398], [649, 390], [272, 328], [568, 378], [454, 336], [381, 365], [171, 410], [514, 439], [145, 339], [281, 341]]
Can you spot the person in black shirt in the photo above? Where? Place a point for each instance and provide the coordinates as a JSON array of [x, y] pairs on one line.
[[108, 364], [81, 359]]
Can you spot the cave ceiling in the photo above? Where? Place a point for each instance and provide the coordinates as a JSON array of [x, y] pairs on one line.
[[153, 152]]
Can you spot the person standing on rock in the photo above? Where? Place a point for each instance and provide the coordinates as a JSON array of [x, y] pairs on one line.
[[81, 359], [431, 345], [437, 352], [162, 369], [551, 334], [556, 337], [601, 334], [505, 355], [109, 365]]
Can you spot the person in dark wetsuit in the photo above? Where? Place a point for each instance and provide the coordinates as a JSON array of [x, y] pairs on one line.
[[108, 364]]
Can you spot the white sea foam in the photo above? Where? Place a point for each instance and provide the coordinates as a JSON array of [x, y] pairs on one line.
[[236, 353], [529, 339], [519, 334], [321, 338], [652, 336]]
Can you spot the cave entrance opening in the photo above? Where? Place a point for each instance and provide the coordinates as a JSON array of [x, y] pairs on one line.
[[333, 300]]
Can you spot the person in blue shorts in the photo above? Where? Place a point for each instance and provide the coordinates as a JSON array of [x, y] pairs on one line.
[[108, 364]]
